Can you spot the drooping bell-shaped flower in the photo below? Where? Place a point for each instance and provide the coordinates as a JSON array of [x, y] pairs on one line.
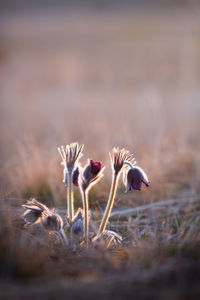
[[134, 178]]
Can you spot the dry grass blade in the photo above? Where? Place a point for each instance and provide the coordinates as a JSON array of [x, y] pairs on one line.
[[152, 206]]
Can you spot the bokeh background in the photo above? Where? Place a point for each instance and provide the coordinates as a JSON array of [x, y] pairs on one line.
[[104, 73]]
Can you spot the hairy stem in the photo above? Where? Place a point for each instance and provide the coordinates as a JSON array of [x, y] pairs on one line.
[[86, 211], [110, 203], [70, 197], [129, 164], [63, 238]]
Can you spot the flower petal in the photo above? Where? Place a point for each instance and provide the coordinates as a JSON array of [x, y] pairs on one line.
[[135, 177]]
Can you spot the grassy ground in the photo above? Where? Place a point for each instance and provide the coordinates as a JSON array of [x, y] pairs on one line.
[[159, 258], [123, 78]]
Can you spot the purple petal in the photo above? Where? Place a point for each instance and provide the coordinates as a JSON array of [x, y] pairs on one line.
[[135, 177], [136, 185], [75, 176]]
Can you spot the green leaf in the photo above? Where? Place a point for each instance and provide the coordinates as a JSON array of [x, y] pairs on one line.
[[144, 235], [178, 222]]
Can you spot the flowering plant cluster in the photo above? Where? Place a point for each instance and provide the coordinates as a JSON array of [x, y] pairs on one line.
[[122, 161]]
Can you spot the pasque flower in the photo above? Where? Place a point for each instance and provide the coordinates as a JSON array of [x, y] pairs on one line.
[[120, 160], [107, 238], [90, 175], [77, 227], [70, 156], [39, 213], [35, 211], [92, 169], [134, 178]]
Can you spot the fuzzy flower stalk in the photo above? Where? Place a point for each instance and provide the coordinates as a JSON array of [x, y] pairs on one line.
[[121, 160], [91, 175], [70, 156], [37, 212]]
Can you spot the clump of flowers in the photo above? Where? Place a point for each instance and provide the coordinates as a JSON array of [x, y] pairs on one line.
[[122, 161]]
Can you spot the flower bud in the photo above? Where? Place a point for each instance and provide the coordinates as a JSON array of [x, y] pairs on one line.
[[107, 238], [91, 170], [91, 174], [52, 222], [77, 227]]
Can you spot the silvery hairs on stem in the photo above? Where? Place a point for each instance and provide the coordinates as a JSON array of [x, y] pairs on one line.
[[39, 213], [121, 160], [70, 156], [118, 158], [90, 175]]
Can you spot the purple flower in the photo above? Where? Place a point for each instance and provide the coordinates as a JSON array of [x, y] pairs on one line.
[[77, 227], [34, 212], [134, 179], [92, 173], [52, 222], [92, 169], [95, 167], [39, 213]]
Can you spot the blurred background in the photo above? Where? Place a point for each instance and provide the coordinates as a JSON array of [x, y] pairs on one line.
[[103, 73]]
